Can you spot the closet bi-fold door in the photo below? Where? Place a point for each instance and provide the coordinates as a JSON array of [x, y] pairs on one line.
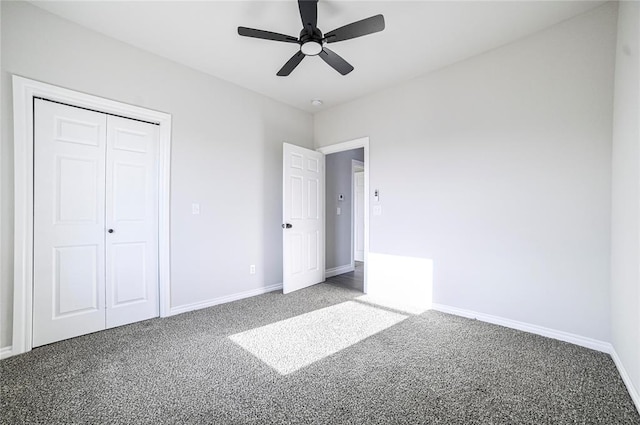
[[69, 212], [131, 221], [95, 222]]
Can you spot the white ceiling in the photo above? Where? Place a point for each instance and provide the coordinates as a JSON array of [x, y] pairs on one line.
[[420, 36]]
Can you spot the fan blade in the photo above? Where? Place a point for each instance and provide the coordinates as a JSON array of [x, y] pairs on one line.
[[291, 64], [356, 29], [266, 35], [335, 61], [309, 14]]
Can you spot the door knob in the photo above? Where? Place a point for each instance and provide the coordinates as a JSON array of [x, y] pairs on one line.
[[287, 226], [110, 230]]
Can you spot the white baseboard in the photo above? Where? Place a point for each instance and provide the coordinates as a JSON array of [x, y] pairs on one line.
[[225, 299], [582, 341], [6, 352], [633, 391], [338, 270]]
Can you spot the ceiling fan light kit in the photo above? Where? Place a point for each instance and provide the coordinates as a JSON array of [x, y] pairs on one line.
[[311, 40], [311, 48]]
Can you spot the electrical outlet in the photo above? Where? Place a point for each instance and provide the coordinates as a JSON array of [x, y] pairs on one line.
[[252, 269]]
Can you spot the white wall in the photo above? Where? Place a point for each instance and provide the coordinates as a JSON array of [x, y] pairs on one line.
[[625, 236], [338, 227], [498, 169], [226, 152]]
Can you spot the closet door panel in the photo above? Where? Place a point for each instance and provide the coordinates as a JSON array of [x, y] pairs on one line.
[[132, 215], [69, 204]]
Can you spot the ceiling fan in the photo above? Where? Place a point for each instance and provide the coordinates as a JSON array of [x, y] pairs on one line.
[[312, 41]]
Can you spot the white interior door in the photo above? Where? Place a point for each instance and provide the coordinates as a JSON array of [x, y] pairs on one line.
[[358, 215], [95, 222], [69, 205], [131, 221], [303, 218]]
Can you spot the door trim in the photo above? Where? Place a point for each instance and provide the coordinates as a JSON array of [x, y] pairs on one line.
[[362, 142], [359, 166], [24, 91]]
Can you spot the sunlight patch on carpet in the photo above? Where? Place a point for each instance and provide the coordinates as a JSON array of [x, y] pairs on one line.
[[291, 344]]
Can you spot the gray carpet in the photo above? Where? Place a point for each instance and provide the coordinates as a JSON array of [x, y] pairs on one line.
[[431, 368]]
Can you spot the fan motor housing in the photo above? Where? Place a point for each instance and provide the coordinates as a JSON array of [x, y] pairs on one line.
[[305, 36]]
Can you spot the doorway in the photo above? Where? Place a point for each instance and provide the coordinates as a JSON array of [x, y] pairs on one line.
[[346, 245]]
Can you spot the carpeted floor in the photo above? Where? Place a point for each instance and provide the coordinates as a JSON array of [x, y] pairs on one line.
[[431, 368]]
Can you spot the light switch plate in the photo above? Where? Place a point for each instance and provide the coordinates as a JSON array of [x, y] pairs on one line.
[[377, 210], [338, 211], [195, 209]]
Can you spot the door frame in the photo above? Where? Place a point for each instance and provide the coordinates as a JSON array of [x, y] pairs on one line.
[[362, 142], [24, 92], [356, 166]]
